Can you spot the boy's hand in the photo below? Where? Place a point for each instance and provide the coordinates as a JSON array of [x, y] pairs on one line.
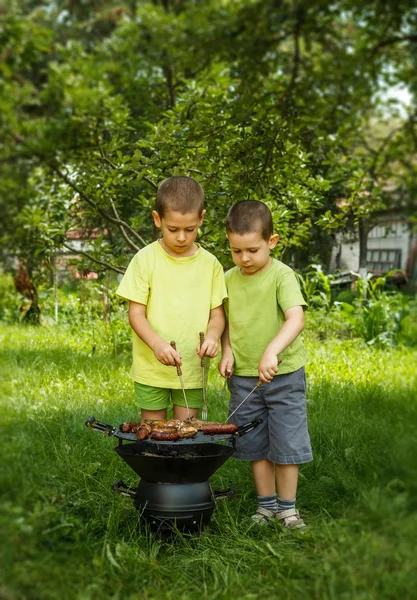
[[210, 347], [268, 367], [166, 354], [226, 365]]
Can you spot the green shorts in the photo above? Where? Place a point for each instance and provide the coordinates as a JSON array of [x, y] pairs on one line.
[[154, 398]]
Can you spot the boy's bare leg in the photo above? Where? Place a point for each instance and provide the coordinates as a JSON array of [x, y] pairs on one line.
[[181, 413], [153, 415], [263, 472], [286, 477]]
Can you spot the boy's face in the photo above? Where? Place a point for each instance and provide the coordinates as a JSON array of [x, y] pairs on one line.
[[178, 231], [250, 251]]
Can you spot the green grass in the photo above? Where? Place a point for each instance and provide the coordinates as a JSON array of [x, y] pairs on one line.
[[64, 534]]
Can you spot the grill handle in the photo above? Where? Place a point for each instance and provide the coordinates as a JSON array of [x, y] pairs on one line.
[[125, 490], [203, 358], [247, 428], [92, 423], [223, 494], [179, 372]]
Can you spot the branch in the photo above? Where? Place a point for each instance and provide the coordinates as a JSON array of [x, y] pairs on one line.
[[385, 142], [122, 231], [113, 166], [394, 40], [170, 84], [104, 157], [410, 128], [119, 222], [296, 60], [93, 204], [95, 260]]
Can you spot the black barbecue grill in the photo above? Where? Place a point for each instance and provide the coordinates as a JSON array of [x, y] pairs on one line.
[[174, 487]]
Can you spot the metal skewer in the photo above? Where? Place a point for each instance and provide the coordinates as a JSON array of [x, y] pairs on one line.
[[258, 383], [179, 373], [203, 368]]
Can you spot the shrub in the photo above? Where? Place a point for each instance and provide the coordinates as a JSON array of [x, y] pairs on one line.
[[388, 319], [10, 300], [315, 286]]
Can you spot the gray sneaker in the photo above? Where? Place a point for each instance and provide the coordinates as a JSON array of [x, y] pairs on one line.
[[290, 519]]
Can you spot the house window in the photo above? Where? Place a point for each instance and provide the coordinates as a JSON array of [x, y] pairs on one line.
[[383, 260]]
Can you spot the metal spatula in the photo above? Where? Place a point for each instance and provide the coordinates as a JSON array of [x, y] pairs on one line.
[[203, 370]]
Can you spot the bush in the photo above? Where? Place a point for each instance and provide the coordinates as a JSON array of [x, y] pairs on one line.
[[389, 319], [10, 300]]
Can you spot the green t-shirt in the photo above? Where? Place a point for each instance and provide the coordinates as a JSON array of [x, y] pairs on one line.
[[179, 293], [255, 312]]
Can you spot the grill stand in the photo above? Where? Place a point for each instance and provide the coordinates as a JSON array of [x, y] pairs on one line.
[[166, 506]]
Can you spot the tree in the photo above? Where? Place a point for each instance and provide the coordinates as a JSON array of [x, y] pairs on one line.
[[255, 99]]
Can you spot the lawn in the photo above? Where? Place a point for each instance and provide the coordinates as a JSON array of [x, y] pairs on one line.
[[64, 534]]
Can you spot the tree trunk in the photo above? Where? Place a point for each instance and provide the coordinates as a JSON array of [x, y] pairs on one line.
[[363, 247], [363, 251]]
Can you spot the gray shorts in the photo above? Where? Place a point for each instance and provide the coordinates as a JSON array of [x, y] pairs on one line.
[[282, 437]]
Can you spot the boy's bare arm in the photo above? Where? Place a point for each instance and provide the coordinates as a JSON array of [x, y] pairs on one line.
[[215, 328], [228, 360], [293, 326], [163, 351]]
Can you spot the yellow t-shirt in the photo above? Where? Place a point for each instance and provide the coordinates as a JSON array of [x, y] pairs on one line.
[[179, 293], [255, 310]]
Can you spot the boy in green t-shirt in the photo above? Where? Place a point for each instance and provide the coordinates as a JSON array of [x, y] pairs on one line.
[[265, 314], [175, 290]]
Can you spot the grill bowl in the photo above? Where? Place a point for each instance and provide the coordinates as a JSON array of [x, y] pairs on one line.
[[171, 463]]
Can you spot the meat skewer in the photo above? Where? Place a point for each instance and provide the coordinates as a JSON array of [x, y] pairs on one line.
[[203, 369], [179, 373]]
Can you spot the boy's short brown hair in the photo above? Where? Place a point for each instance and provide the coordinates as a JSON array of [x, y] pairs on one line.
[[180, 194], [248, 216]]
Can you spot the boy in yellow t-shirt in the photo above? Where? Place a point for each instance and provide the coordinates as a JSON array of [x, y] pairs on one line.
[[265, 313], [175, 290]]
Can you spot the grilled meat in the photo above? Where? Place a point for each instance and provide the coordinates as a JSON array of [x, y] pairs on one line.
[[142, 433], [170, 435], [218, 428], [212, 428], [173, 429], [127, 427], [187, 431]]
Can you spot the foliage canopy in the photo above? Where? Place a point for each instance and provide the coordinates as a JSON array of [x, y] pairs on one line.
[[268, 100]]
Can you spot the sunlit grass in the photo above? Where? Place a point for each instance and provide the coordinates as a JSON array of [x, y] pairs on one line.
[[65, 534]]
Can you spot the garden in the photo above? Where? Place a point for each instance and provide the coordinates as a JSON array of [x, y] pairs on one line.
[[307, 107]]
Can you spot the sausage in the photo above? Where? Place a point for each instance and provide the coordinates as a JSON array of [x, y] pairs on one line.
[[165, 436], [218, 428]]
